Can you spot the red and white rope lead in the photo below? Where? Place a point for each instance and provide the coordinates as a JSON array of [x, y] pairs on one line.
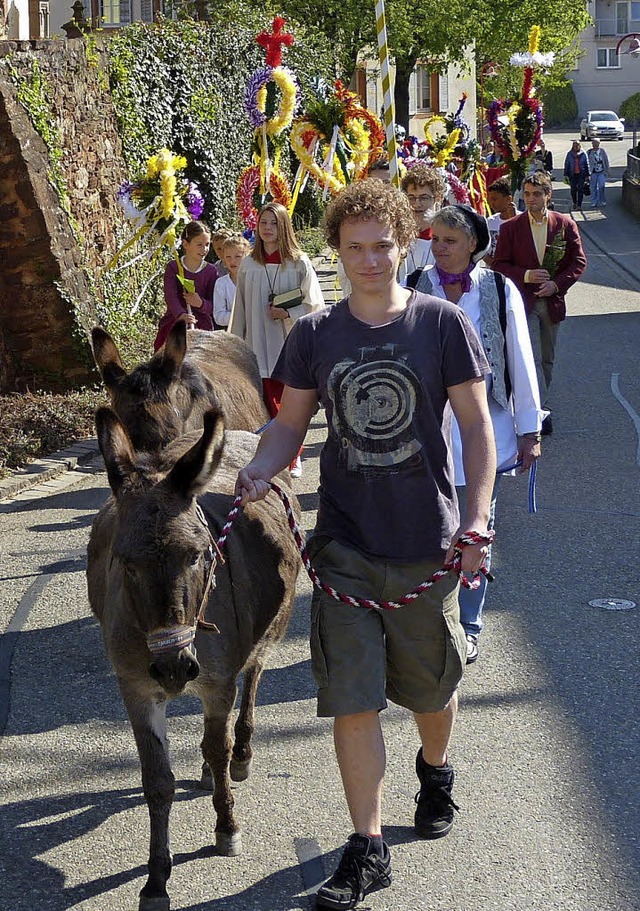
[[455, 565]]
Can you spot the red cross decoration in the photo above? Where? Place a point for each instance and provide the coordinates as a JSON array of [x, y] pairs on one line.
[[273, 41]]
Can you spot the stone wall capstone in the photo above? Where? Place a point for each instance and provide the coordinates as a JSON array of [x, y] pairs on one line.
[[49, 245]]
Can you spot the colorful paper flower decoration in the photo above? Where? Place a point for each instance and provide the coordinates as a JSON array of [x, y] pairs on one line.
[[159, 204], [248, 188], [336, 141], [271, 97], [516, 124]]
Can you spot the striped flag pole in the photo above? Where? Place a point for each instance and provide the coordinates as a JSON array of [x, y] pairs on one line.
[[387, 91]]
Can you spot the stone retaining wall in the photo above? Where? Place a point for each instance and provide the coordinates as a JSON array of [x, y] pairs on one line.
[[46, 302]]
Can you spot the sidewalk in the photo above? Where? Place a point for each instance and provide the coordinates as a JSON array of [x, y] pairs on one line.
[[613, 230]]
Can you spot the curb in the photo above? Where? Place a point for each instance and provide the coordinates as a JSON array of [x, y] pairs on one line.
[[46, 469]]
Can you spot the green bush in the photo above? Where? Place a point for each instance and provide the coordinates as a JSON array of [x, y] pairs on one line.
[[559, 104], [630, 109], [36, 424]]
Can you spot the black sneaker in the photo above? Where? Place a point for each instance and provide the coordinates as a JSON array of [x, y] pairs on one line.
[[435, 806], [360, 872]]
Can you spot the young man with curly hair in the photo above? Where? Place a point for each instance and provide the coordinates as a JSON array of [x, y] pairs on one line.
[[385, 363]]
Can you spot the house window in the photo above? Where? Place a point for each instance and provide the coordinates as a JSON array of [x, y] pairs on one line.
[[423, 89], [608, 59], [622, 18], [115, 12]]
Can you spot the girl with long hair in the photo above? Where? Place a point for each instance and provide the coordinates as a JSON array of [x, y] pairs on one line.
[[276, 285]]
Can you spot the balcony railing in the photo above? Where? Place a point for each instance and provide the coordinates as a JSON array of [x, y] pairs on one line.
[[612, 27]]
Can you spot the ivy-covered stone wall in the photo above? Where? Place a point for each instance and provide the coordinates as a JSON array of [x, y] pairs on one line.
[[77, 118], [59, 157]]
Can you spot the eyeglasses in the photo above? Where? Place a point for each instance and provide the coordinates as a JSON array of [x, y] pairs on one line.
[[427, 198]]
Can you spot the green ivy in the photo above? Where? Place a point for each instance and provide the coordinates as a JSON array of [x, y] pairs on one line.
[[180, 84], [32, 93]]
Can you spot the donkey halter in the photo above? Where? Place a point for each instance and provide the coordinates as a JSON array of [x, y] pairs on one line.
[[179, 637]]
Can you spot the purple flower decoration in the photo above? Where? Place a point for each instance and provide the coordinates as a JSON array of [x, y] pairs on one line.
[[256, 81], [195, 201]]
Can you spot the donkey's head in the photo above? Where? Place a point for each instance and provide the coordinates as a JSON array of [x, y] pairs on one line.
[[159, 400], [161, 543]]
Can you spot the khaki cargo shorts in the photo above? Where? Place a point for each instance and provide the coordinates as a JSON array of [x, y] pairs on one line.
[[414, 656]]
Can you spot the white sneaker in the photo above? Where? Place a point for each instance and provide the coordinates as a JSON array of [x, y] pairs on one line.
[[296, 468]]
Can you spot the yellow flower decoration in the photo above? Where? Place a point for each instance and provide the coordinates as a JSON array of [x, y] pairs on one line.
[[445, 154], [360, 148], [284, 115], [431, 122], [534, 39], [512, 113], [308, 162]]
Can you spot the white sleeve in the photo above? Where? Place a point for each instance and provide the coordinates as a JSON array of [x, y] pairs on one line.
[[312, 297], [238, 321], [223, 294], [522, 370]]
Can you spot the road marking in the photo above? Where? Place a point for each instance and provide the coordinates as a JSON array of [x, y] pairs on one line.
[[628, 408]]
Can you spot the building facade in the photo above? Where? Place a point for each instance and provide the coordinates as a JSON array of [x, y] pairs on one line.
[[603, 79]]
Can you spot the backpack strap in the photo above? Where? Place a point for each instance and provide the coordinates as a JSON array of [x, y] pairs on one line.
[[502, 315]]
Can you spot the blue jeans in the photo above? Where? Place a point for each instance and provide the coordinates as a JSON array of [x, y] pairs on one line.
[[472, 602], [597, 189]]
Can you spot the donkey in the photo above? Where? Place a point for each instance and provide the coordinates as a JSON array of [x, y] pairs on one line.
[[165, 630], [194, 371]]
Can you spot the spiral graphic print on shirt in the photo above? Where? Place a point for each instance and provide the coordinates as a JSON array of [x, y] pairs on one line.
[[374, 400]]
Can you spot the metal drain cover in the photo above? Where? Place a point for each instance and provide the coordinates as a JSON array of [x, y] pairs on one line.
[[612, 604]]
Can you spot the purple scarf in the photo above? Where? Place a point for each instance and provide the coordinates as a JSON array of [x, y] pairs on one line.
[[452, 278]]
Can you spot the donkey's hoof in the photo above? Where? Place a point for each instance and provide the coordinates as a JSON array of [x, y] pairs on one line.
[[206, 779], [157, 903], [228, 845], [239, 769]]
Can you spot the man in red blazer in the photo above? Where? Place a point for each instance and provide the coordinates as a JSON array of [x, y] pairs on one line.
[[541, 252]]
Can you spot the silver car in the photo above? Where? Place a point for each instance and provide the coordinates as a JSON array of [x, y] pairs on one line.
[[601, 125]]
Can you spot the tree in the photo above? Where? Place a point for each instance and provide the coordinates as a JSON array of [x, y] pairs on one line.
[[434, 33]]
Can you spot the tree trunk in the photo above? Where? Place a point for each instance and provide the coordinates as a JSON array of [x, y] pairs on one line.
[[404, 69]]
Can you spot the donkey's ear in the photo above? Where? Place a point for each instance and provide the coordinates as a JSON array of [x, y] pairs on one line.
[[192, 472], [107, 357], [116, 448], [174, 350]]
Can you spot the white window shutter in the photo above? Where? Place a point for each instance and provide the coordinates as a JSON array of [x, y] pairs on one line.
[[146, 10], [443, 91], [413, 87]]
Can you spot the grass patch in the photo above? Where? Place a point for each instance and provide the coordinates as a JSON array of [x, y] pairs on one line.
[[36, 424]]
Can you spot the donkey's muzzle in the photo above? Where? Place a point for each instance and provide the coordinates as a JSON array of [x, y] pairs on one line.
[[174, 671]]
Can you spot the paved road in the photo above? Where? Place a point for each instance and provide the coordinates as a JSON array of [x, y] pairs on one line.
[[546, 748]]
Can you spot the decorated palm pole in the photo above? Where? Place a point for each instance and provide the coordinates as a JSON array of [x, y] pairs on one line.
[[387, 93], [262, 180], [516, 124]]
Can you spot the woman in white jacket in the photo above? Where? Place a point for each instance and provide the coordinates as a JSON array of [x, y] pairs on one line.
[[276, 286]]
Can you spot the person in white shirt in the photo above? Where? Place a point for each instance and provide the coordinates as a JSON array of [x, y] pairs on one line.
[[277, 268], [501, 201], [425, 189], [234, 250], [495, 308]]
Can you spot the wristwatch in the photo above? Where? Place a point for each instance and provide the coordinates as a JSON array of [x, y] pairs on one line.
[[533, 435]]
